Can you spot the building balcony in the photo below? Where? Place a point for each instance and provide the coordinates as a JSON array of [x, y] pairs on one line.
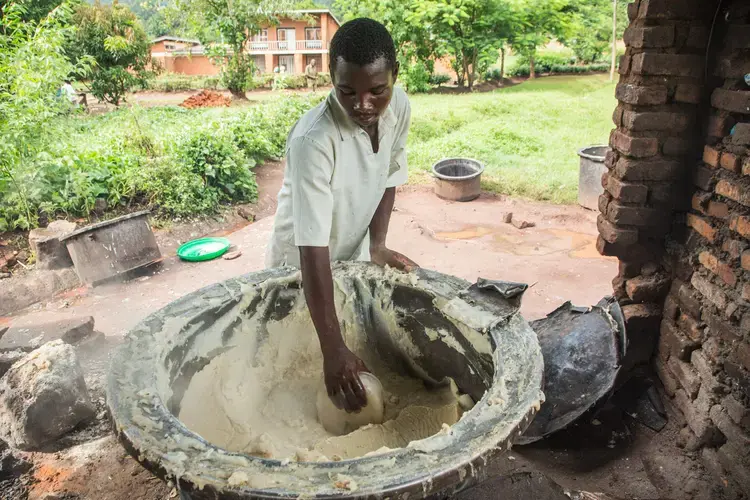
[[287, 47]]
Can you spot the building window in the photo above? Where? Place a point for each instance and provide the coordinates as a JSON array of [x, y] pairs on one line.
[[260, 40], [287, 62], [169, 46], [260, 64], [313, 39], [286, 38]]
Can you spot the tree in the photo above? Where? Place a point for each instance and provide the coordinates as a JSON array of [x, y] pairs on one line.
[[114, 37], [33, 65], [233, 23], [536, 22], [471, 31], [588, 30]]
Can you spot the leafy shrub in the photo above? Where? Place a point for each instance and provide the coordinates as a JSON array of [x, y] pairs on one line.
[[288, 81], [415, 77], [220, 163], [492, 75], [561, 69], [176, 82], [178, 162], [439, 79]]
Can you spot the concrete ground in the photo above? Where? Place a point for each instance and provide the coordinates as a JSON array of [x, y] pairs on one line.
[[468, 240]]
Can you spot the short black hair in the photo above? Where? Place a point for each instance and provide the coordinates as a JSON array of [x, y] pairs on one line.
[[362, 41]]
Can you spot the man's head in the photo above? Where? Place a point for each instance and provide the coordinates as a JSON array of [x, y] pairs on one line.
[[313, 63], [363, 69], [67, 81]]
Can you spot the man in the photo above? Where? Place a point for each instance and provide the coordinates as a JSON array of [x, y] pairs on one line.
[[68, 92], [311, 73], [344, 160]]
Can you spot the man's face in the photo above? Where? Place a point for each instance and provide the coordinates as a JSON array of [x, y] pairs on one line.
[[364, 91], [313, 63]]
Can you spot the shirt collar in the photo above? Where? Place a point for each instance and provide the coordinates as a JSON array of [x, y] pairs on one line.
[[346, 126]]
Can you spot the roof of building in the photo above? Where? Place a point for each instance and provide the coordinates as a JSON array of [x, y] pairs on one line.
[[316, 11], [169, 38]]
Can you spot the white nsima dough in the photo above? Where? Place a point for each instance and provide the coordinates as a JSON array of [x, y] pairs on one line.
[[259, 397]]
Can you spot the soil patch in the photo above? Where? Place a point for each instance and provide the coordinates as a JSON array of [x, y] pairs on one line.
[[206, 99]]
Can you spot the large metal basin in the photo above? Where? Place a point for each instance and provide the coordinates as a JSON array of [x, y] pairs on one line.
[[498, 362]]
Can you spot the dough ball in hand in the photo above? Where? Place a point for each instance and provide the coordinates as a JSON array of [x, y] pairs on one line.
[[339, 422]]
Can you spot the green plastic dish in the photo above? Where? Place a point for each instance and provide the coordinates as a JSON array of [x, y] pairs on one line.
[[203, 249]]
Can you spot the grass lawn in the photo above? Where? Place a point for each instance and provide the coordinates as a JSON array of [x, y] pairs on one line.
[[526, 135]]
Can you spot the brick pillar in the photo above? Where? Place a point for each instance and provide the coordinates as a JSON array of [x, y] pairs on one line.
[[299, 63], [659, 92], [269, 63]]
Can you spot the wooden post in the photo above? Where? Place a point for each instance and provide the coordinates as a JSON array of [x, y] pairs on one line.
[[614, 41]]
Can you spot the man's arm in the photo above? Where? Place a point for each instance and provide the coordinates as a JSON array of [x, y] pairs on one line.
[[341, 367], [379, 253]]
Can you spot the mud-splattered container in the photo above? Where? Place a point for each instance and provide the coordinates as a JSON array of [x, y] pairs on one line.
[[590, 175]]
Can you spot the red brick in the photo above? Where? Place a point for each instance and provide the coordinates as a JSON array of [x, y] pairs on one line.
[[636, 216], [614, 234], [637, 147], [707, 372], [667, 379], [669, 10], [717, 209], [722, 329], [738, 412], [703, 178], [623, 65], [734, 101], [671, 309], [711, 156], [732, 431], [741, 134], [604, 200], [686, 376], [718, 267], [746, 292], [745, 260], [647, 288], [628, 269], [703, 227], [719, 125], [626, 192], [735, 248], [649, 63], [688, 301], [741, 355], [656, 120], [679, 344], [697, 415], [746, 166], [699, 201], [629, 169], [711, 292], [688, 93], [712, 349], [733, 191], [649, 36], [734, 65], [730, 162], [617, 116], [741, 225], [641, 96], [690, 327]]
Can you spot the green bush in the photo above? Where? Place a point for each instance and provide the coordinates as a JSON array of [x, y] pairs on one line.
[[492, 75], [559, 69], [176, 161], [288, 81], [439, 79], [176, 82], [415, 77]]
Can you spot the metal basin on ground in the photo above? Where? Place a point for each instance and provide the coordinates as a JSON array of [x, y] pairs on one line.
[[112, 248], [590, 174], [493, 356], [458, 179]]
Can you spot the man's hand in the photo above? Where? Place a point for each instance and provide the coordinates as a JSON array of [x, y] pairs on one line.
[[341, 368], [382, 256]]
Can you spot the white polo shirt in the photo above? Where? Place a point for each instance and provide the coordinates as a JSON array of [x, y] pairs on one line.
[[333, 181]]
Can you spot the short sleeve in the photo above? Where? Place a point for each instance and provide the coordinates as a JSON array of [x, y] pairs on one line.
[[398, 173], [310, 168]]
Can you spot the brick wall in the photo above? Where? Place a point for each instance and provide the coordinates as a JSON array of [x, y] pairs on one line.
[[676, 212]]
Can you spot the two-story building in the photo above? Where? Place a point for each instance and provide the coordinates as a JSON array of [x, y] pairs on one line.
[[292, 44]]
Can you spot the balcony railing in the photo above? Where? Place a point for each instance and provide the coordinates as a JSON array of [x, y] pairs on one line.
[[287, 46]]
